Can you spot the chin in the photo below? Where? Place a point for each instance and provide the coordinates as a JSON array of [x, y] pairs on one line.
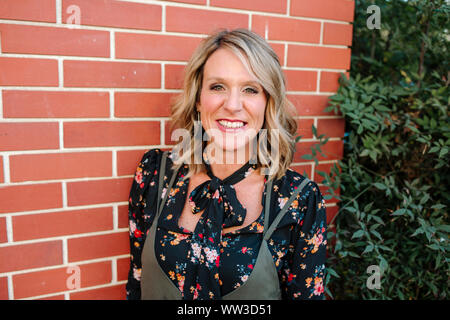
[[236, 152]]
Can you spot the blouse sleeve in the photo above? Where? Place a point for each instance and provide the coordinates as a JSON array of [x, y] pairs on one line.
[[304, 272], [141, 211]]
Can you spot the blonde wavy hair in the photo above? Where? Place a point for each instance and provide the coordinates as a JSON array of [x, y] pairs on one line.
[[263, 63]]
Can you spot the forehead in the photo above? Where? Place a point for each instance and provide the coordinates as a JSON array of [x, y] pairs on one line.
[[225, 63]]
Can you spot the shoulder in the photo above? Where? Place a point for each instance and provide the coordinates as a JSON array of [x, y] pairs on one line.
[[307, 199], [291, 182], [151, 158], [151, 161], [147, 170]]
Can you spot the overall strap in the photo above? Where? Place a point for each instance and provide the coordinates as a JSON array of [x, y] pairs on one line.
[[267, 234], [162, 172], [267, 204]]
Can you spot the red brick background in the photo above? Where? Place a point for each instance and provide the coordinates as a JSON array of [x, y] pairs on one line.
[[80, 104]]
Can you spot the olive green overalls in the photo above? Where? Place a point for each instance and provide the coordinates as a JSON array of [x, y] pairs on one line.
[[262, 284]]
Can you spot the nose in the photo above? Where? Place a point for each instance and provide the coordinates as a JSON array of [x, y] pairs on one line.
[[233, 102]]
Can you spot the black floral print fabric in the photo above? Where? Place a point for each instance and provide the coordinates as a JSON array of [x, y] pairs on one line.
[[298, 244]]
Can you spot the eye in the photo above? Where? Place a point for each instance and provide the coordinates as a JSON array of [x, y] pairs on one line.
[[216, 87], [251, 90]]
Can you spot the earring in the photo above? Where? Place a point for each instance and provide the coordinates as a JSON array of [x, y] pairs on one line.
[[198, 116]]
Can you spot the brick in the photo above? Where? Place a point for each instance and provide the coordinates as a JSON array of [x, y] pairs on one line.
[[337, 33], [28, 256], [123, 216], [174, 76], [99, 246], [55, 104], [142, 104], [279, 50], [123, 265], [110, 13], [301, 80], [202, 21], [304, 128], [310, 105], [105, 74], [61, 223], [327, 9], [333, 150], [127, 161], [279, 6], [30, 10], [286, 29], [32, 167], [168, 134], [332, 211], [98, 191], [111, 133], [49, 40], [38, 196], [329, 81], [303, 169], [155, 46], [28, 72], [55, 280], [4, 295], [318, 57], [2, 177], [331, 127], [116, 292], [3, 232], [28, 136]]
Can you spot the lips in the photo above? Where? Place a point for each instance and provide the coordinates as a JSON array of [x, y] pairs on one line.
[[231, 124], [228, 125]]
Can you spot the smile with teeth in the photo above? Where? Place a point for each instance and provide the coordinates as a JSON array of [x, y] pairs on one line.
[[231, 125]]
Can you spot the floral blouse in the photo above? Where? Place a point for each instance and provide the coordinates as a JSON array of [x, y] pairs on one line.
[[298, 245]]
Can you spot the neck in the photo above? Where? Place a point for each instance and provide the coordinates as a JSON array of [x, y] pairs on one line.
[[228, 162]]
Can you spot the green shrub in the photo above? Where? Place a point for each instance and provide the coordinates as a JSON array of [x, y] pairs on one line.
[[394, 176]]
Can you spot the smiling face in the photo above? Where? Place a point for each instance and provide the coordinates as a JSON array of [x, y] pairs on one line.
[[232, 102]]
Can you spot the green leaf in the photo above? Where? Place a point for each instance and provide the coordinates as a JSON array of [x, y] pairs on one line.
[[314, 130], [438, 206], [364, 153], [358, 234], [380, 186], [360, 129], [369, 248], [376, 234], [333, 273], [399, 212], [383, 264]]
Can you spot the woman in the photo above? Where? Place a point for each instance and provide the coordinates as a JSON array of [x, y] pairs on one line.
[[226, 218]]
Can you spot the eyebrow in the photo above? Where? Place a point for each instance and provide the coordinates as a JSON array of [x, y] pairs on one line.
[[252, 82]]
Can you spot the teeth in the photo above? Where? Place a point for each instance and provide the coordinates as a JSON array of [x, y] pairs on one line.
[[231, 125]]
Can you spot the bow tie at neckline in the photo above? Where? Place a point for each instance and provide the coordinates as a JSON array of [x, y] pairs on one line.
[[234, 178]]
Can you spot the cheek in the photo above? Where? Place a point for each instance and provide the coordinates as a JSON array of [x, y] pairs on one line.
[[210, 103], [258, 110]]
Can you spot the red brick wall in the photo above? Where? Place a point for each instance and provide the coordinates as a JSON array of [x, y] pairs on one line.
[[79, 105]]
